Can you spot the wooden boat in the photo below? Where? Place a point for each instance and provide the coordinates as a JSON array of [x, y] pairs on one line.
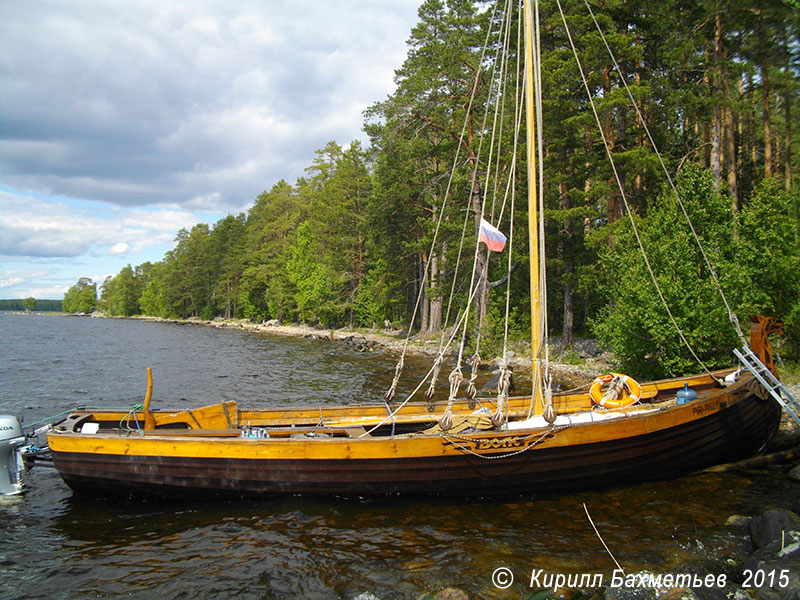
[[541, 443], [220, 449]]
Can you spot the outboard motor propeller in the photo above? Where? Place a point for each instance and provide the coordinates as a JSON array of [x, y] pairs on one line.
[[11, 466]]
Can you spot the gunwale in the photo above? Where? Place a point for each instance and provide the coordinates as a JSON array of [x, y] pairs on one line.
[[666, 440]]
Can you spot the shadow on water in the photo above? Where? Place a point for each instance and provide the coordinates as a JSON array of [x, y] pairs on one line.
[[56, 544], [347, 546]]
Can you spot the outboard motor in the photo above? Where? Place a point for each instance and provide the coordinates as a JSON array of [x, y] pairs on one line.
[[11, 466]]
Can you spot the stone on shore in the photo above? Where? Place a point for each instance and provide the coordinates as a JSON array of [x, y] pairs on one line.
[[771, 525]]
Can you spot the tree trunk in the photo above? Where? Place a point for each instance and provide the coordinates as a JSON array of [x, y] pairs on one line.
[[767, 123], [751, 125], [728, 137], [716, 127], [435, 303], [730, 155], [707, 145], [567, 324], [423, 308], [788, 97], [612, 209], [787, 159], [424, 305]]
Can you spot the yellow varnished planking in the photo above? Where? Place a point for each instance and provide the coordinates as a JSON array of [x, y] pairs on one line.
[[226, 415], [637, 421], [411, 446]]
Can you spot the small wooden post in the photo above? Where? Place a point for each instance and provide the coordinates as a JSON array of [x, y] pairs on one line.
[[149, 420]]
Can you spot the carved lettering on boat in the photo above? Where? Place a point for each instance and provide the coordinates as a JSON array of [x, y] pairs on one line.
[[702, 409], [492, 445], [500, 443]]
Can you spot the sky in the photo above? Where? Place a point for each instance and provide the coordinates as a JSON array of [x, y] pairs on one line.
[[122, 122]]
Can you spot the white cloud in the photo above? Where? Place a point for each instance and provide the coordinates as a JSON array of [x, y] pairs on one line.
[[33, 227], [133, 104], [13, 278], [7, 282], [124, 122]]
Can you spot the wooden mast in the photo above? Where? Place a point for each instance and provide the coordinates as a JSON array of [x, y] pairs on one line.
[[533, 216]]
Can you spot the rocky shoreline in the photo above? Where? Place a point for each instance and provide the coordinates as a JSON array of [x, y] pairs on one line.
[[765, 563], [391, 341], [761, 562]]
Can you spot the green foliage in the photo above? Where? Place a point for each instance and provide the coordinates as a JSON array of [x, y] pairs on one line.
[[769, 252], [771, 256], [757, 268], [316, 283], [227, 242], [253, 294], [119, 295], [348, 243], [81, 297], [29, 304], [40, 305], [378, 298], [265, 291]]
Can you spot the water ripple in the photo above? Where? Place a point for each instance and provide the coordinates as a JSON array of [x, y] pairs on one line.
[[57, 545]]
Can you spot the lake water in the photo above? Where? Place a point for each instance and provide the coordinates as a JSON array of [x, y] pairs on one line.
[[54, 545]]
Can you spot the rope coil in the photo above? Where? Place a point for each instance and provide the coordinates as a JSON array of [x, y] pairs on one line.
[[474, 363], [437, 365], [446, 422], [392, 391], [503, 385]]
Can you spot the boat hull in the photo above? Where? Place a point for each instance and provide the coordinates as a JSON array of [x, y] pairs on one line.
[[674, 441]]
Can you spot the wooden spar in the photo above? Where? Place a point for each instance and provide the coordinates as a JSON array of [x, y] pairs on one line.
[[149, 420], [357, 450], [533, 216]]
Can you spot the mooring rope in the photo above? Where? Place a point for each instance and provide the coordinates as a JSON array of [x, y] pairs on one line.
[[63, 413], [126, 419]]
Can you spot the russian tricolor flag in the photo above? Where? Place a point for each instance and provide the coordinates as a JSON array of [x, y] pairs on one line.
[[491, 236]]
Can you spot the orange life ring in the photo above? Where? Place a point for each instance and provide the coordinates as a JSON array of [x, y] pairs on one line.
[[633, 388]]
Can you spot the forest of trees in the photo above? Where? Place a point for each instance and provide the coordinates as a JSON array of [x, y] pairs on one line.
[[29, 304], [348, 244]]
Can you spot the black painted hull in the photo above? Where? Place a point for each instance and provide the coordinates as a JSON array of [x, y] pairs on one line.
[[734, 432]]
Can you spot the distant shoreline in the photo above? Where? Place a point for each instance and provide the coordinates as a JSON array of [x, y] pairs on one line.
[[388, 341], [391, 342]]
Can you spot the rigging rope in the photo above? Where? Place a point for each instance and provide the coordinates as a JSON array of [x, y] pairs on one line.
[[731, 315], [625, 198], [496, 132], [396, 410], [390, 394], [476, 190], [504, 383]]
